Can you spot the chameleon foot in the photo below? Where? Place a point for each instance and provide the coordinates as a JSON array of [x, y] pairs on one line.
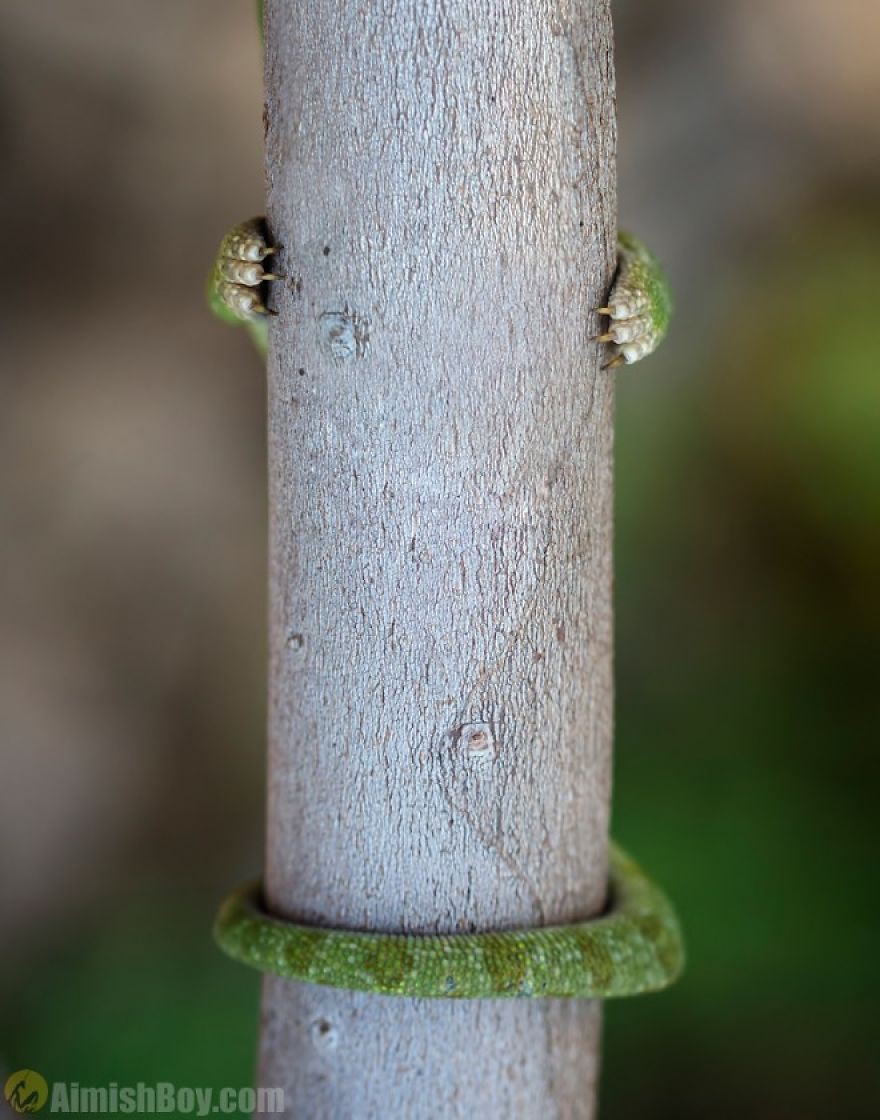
[[237, 284], [639, 306]]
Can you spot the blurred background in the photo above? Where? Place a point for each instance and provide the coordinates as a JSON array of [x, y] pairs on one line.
[[748, 538]]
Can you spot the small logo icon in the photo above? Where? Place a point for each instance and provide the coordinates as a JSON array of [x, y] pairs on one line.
[[26, 1090]]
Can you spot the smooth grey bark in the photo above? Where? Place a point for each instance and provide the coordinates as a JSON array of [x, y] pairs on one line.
[[441, 178]]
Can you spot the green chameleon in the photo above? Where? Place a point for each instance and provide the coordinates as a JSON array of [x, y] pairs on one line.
[[639, 305], [635, 946]]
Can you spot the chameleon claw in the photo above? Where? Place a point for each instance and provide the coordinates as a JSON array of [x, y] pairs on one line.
[[235, 283], [639, 303]]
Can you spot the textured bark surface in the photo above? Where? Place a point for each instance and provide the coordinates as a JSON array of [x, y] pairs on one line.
[[441, 177]]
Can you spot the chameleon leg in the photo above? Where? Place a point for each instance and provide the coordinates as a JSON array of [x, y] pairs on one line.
[[639, 305], [238, 283]]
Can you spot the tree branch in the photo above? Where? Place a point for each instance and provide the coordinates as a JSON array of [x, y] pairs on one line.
[[441, 178]]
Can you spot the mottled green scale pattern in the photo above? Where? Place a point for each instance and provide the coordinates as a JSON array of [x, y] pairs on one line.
[[635, 947], [640, 298], [239, 249], [644, 274]]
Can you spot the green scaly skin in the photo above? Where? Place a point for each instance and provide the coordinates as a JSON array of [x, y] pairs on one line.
[[639, 305], [636, 946], [238, 281]]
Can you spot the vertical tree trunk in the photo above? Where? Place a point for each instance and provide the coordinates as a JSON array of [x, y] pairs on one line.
[[441, 177]]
